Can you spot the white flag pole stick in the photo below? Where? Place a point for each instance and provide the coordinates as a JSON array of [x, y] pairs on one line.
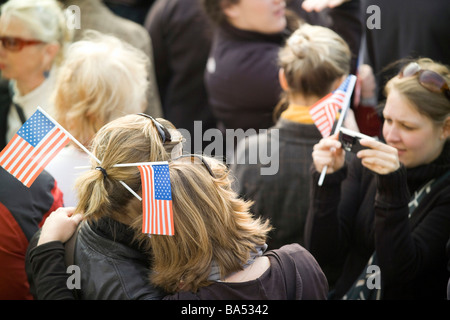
[[139, 164], [346, 105], [128, 164], [131, 190], [84, 149]]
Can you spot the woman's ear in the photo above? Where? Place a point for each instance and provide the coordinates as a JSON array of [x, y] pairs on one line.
[[446, 129], [230, 10], [282, 78], [51, 50]]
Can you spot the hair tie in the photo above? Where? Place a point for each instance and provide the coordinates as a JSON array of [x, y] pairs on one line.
[[102, 170]]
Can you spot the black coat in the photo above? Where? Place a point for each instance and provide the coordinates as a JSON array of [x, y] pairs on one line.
[[181, 38], [357, 211], [242, 77], [112, 265], [283, 195]]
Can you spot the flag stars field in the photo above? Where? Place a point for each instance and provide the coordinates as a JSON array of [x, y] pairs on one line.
[[36, 143]]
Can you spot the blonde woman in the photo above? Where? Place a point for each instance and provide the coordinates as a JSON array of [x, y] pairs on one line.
[[34, 37], [217, 252], [313, 63], [113, 259], [214, 228], [101, 79], [389, 206]]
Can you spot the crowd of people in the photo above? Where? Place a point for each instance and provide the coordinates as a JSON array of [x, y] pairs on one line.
[[137, 75]]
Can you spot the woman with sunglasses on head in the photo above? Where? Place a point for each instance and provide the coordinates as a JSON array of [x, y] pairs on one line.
[[112, 257], [217, 250], [388, 207], [33, 36]]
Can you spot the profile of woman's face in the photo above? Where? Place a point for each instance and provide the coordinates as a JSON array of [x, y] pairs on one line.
[[263, 16], [26, 62]]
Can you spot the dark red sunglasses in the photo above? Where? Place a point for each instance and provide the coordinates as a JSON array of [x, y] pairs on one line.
[[430, 80], [17, 44]]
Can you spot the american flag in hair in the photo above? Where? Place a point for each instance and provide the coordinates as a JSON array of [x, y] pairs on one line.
[[156, 199], [36, 143], [324, 112]]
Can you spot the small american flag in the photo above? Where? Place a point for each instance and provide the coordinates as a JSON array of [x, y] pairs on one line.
[[36, 143], [156, 199], [325, 110]]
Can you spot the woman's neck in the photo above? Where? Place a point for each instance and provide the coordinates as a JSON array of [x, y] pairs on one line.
[[27, 85], [251, 272], [302, 100]]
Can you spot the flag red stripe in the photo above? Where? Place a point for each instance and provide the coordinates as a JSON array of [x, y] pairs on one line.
[[7, 149], [31, 156], [171, 230], [47, 151], [144, 203], [13, 160], [43, 165]]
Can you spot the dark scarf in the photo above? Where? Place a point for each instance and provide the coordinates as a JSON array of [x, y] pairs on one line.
[[420, 175], [229, 31]]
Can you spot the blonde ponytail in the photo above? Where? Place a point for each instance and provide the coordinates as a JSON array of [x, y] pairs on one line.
[[128, 139]]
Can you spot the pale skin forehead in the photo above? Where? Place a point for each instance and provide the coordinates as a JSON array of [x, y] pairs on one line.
[[400, 109]]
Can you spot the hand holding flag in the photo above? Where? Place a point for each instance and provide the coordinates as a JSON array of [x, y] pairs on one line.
[[325, 110]]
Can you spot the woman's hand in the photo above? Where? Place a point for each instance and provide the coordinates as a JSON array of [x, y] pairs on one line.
[[380, 157], [60, 225], [329, 152]]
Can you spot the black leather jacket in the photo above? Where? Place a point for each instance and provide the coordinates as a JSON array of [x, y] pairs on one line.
[[112, 269], [112, 266]]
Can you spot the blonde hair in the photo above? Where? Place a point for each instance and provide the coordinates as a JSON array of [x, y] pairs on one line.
[[313, 58], [129, 139], [434, 105], [44, 19], [211, 224], [101, 79]]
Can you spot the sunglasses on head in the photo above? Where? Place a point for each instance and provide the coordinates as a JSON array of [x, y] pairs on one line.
[[163, 132], [16, 44], [430, 80], [196, 158]]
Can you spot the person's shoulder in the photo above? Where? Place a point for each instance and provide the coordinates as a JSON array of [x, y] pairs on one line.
[[182, 295], [299, 254], [292, 249]]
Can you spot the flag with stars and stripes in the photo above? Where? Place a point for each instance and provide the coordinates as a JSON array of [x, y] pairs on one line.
[[325, 111], [36, 143], [156, 199]]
